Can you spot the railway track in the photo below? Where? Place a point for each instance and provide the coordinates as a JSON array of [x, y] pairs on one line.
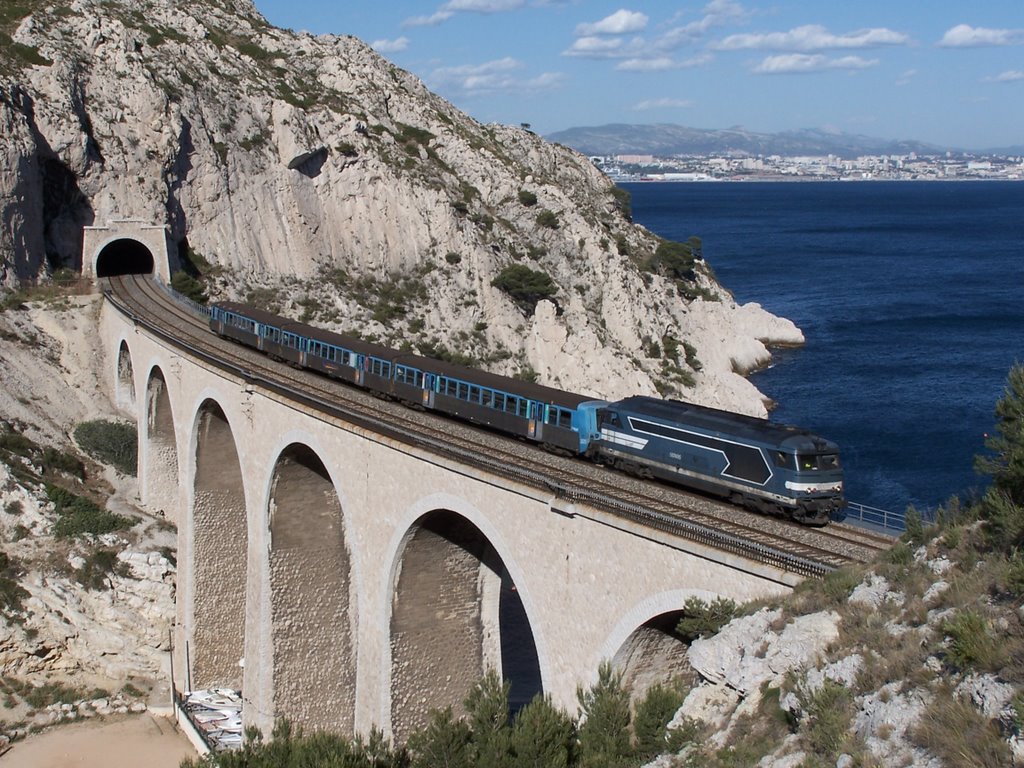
[[784, 544]]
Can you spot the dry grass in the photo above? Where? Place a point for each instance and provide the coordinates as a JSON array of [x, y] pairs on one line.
[[959, 735]]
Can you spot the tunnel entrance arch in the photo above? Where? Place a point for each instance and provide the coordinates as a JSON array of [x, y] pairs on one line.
[[124, 256], [127, 247], [456, 614]]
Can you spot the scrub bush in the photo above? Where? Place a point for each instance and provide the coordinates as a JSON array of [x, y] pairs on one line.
[[525, 286], [547, 218], [110, 442], [79, 515], [527, 198], [702, 619]]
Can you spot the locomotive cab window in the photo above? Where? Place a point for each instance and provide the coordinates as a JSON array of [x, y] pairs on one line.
[[785, 460], [809, 461], [609, 419]]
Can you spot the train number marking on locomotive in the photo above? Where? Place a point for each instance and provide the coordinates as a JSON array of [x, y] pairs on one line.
[[742, 462]]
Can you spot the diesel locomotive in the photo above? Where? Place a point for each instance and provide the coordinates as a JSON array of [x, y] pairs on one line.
[[755, 463]]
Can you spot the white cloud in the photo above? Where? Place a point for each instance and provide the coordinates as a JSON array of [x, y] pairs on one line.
[[483, 6], [493, 76], [390, 46], [661, 63], [966, 36], [665, 103], [449, 9], [906, 77], [802, 63], [596, 47], [716, 13], [1009, 76], [619, 23], [428, 21], [812, 37]]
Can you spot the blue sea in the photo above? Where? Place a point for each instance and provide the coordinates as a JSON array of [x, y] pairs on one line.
[[909, 295]]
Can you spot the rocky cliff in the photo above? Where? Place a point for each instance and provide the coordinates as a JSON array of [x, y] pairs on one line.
[[311, 175]]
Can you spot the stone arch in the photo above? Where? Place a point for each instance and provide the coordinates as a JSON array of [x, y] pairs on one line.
[[125, 382], [124, 256], [456, 614], [645, 648], [160, 486], [218, 551], [312, 603]]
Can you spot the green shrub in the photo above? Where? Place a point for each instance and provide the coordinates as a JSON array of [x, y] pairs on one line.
[[527, 198], [623, 202], [188, 286], [543, 735], [111, 442], [525, 286], [700, 619], [452, 257], [11, 592], [80, 516], [13, 507], [829, 710], [621, 245], [650, 723], [971, 645], [1005, 463], [674, 260], [547, 218], [604, 739], [60, 461], [95, 572], [40, 696]]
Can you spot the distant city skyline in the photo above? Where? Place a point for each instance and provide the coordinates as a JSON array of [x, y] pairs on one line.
[[943, 72]]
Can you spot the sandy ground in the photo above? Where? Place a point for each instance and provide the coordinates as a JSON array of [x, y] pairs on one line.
[[127, 741]]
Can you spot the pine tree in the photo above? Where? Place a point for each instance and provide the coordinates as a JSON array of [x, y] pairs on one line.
[[1003, 505], [543, 736], [1006, 465], [650, 725], [487, 708], [604, 740], [444, 743]]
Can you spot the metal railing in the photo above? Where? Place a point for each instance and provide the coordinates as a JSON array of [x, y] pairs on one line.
[[873, 517]]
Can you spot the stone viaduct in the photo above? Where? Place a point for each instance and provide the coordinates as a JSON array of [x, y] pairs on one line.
[[347, 581]]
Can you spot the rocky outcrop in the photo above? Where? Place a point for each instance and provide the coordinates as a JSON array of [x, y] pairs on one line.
[[312, 167], [63, 620]]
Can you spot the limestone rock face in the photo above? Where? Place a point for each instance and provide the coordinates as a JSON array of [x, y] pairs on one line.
[[313, 170]]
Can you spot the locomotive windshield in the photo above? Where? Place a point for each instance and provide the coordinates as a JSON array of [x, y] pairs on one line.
[[815, 461]]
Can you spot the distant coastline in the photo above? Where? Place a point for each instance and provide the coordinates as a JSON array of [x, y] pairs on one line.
[[745, 167], [637, 179]]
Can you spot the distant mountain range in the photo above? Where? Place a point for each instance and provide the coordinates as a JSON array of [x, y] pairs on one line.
[[665, 140]]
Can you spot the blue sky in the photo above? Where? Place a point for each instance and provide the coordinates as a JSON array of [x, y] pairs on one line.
[[944, 72]]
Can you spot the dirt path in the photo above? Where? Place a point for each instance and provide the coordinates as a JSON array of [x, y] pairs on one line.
[[127, 741]]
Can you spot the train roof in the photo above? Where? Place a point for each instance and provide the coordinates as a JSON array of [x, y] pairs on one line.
[[519, 387], [427, 364], [736, 424], [309, 331]]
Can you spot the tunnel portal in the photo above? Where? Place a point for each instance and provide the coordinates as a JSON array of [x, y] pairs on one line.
[[124, 256]]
